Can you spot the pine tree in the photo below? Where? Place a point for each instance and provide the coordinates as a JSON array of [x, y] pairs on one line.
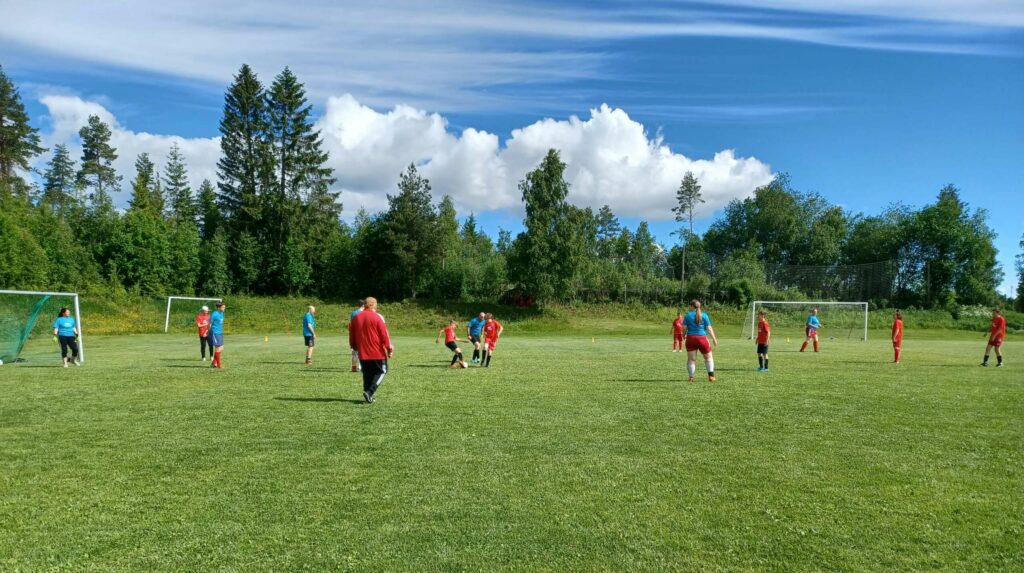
[[59, 188], [143, 184], [177, 189], [209, 212], [608, 229], [19, 141], [447, 231], [97, 167], [244, 167], [536, 259], [688, 196], [214, 278]]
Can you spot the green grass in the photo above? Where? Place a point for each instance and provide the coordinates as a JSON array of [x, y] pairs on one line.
[[566, 455]]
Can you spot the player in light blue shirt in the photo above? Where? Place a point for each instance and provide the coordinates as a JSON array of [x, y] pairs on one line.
[[217, 333], [66, 330], [309, 332], [475, 328], [697, 325], [811, 330]]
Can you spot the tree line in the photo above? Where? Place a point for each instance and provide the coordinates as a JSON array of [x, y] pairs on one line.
[[271, 224]]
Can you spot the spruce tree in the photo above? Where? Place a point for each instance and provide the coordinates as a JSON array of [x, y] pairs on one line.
[[59, 188], [177, 189], [143, 184], [96, 171], [688, 196], [19, 141], [209, 212], [245, 163]]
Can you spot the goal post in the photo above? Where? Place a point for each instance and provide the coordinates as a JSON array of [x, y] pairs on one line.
[[171, 299], [15, 331], [851, 316]]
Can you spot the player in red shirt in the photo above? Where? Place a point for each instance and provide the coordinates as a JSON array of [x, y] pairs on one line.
[[764, 335], [203, 324], [492, 330], [995, 337], [677, 333], [368, 335], [451, 341], [897, 336]]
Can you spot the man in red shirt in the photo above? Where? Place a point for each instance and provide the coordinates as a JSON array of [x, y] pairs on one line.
[[492, 330], [764, 335], [995, 337], [677, 333], [368, 335], [203, 324]]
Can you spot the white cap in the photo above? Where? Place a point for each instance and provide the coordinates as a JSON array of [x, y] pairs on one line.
[[205, 308]]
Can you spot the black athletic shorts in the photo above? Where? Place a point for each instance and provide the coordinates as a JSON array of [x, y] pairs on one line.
[[762, 349], [310, 341], [474, 338], [451, 346]]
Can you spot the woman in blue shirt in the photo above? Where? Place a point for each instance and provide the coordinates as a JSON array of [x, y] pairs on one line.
[[811, 330], [66, 330], [697, 325]]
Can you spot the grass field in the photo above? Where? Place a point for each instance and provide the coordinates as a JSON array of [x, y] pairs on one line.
[[568, 454]]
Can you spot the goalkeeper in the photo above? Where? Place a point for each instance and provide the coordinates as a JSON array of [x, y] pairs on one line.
[[66, 330]]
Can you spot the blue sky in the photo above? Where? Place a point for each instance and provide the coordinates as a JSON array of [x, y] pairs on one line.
[[867, 103]]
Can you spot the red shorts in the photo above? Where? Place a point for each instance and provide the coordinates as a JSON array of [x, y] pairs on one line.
[[677, 336], [898, 342], [996, 341], [698, 343], [490, 343]]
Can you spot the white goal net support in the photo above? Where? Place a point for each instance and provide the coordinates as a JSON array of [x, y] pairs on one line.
[[181, 317], [839, 320], [27, 315]]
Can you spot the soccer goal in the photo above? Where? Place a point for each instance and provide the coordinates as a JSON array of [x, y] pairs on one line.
[[188, 320], [19, 314], [839, 320]]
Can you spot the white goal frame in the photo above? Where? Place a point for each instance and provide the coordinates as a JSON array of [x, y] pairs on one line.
[[167, 317], [78, 314], [753, 310]]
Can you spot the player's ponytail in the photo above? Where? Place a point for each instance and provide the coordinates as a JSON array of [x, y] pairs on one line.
[[696, 307]]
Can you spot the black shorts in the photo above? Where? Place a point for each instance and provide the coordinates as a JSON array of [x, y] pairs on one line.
[[452, 346], [762, 349], [310, 340], [474, 338]]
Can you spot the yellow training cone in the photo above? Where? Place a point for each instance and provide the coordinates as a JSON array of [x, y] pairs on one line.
[[266, 339]]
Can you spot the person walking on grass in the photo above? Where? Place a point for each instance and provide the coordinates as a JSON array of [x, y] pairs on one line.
[[698, 328], [203, 325], [217, 333], [492, 330], [995, 337], [368, 335], [897, 336], [355, 353], [677, 333], [309, 332], [764, 335], [474, 328], [451, 341], [66, 330], [811, 328]]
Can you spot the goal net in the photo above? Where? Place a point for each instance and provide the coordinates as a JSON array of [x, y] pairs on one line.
[[26, 324], [182, 311], [839, 320]]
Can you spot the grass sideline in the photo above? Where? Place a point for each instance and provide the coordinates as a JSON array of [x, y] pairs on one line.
[[566, 455]]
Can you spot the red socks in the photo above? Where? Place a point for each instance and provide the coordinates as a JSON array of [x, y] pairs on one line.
[[896, 351], [815, 345], [216, 358], [804, 347]]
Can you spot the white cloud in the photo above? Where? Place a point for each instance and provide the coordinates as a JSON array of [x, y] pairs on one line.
[[611, 158], [67, 114]]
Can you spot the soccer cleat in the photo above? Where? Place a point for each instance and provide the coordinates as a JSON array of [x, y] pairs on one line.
[[367, 397], [765, 370], [463, 364], [711, 378], [1000, 365], [213, 365], [79, 362], [354, 369], [691, 379], [984, 364], [65, 365]]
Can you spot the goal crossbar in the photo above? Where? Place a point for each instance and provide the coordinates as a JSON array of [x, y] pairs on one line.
[[78, 313], [864, 305], [167, 318]]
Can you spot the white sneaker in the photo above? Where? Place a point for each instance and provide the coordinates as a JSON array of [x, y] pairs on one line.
[[65, 365], [78, 362]]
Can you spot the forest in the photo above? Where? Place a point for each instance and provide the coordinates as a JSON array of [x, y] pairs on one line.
[[271, 225]]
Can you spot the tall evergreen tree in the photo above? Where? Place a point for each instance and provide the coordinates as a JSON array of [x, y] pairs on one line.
[[177, 189], [143, 185], [447, 231], [59, 188], [608, 229], [688, 196], [19, 141], [209, 212], [245, 165], [96, 171]]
